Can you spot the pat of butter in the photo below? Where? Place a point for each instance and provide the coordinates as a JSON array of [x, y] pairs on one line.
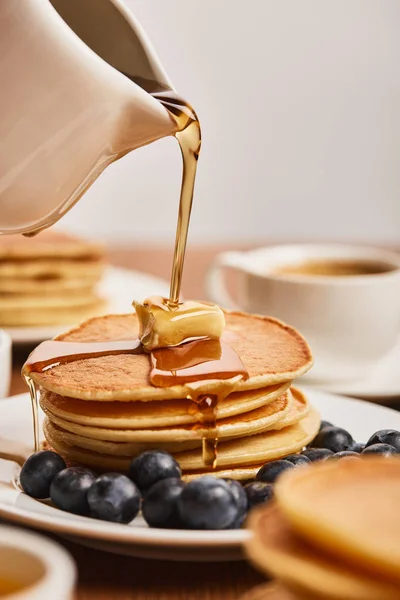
[[162, 326]]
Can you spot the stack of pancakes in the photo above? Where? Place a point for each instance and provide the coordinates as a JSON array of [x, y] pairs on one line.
[[333, 532], [49, 279], [102, 411]]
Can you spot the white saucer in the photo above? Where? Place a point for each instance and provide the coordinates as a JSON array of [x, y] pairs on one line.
[[360, 418], [119, 286], [382, 383]]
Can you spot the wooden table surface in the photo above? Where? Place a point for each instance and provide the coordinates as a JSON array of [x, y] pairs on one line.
[[104, 576]]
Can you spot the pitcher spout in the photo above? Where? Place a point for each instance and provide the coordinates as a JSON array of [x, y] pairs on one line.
[[78, 95]]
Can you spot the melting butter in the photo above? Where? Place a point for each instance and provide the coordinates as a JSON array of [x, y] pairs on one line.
[[162, 325]]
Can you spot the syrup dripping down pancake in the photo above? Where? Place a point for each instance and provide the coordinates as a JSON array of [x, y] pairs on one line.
[[241, 452], [142, 415], [249, 423]]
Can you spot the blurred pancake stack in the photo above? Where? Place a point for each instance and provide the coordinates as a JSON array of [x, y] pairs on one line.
[[102, 411], [49, 280], [333, 532]]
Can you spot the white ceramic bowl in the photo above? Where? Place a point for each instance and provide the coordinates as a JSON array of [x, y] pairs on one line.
[[42, 569], [350, 322], [5, 363]]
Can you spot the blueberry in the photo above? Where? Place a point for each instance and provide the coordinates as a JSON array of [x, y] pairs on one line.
[[241, 501], [357, 447], [152, 466], [385, 436], [240, 495], [208, 503], [160, 504], [39, 471], [69, 488], [343, 454], [258, 492], [113, 497], [333, 438], [298, 459], [383, 449], [270, 472], [315, 454], [325, 424]]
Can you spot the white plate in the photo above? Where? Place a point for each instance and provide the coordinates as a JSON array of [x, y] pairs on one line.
[[119, 286], [360, 418], [381, 384]]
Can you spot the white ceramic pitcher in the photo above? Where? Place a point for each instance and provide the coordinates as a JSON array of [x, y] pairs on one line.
[[67, 108]]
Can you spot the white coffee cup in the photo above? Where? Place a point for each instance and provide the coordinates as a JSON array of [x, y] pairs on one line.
[[350, 321], [41, 569], [5, 363]]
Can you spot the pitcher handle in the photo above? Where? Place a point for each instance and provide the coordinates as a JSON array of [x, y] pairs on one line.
[[215, 285]]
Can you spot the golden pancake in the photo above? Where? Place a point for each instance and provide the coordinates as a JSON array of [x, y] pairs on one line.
[[299, 409], [350, 508], [141, 415], [45, 268], [271, 351], [11, 302], [247, 451], [259, 448], [48, 244], [249, 423], [105, 463], [57, 436], [238, 473], [49, 280], [276, 550], [51, 285], [51, 316]]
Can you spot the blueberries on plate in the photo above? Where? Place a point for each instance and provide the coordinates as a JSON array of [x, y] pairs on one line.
[[154, 482], [270, 472], [258, 492], [333, 438], [160, 504], [315, 454], [357, 447], [39, 471], [152, 466], [383, 449], [114, 497], [208, 503], [385, 436], [343, 454], [298, 459], [69, 489]]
